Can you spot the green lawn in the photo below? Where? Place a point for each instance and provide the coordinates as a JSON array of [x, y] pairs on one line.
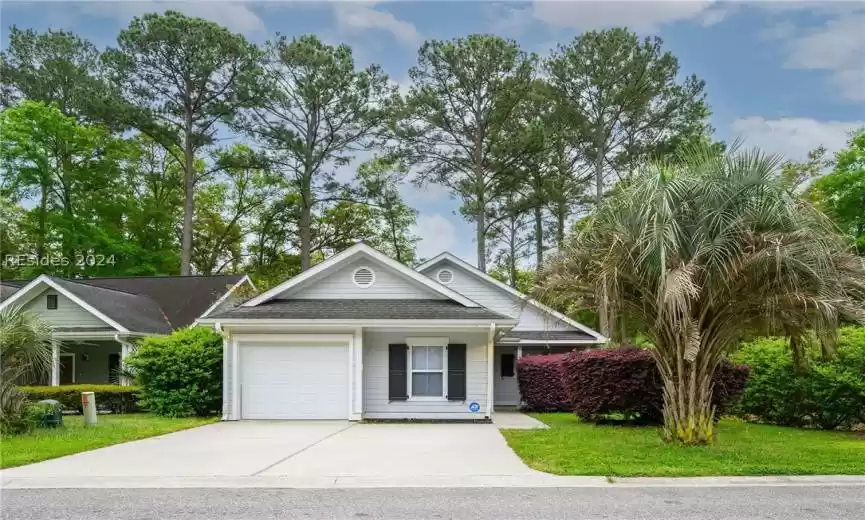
[[75, 437], [570, 447]]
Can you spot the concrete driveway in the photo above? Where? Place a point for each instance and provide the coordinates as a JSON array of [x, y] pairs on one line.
[[312, 449]]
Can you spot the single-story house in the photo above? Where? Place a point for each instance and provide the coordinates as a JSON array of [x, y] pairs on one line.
[[362, 336], [98, 319]]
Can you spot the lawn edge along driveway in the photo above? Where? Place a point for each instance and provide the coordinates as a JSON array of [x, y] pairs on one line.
[[571, 447], [75, 437]]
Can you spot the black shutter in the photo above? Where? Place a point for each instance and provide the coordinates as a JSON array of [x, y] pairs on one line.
[[456, 372], [397, 375]]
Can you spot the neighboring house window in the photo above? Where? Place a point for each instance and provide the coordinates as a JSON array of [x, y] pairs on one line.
[[363, 277], [51, 301], [445, 276], [428, 373]]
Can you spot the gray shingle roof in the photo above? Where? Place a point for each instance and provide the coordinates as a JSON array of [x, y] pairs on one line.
[[361, 309], [7, 290], [135, 312], [545, 335], [156, 304], [181, 298]]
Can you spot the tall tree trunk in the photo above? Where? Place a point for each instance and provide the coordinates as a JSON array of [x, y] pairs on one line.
[[481, 235], [189, 198], [43, 220], [599, 177], [305, 225], [539, 241], [560, 225], [604, 316]]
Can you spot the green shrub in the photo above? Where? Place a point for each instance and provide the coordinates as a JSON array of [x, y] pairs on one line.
[[113, 398], [181, 374], [829, 394], [14, 412]]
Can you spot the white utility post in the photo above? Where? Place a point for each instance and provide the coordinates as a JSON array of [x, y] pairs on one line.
[[55, 364]]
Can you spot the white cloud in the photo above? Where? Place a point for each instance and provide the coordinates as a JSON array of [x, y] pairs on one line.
[[837, 47], [638, 15], [362, 16], [793, 137], [507, 19], [437, 234], [237, 16]]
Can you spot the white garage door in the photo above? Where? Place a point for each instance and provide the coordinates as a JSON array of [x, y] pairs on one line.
[[294, 382]]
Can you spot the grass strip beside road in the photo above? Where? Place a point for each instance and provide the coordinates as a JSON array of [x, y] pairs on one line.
[[75, 437], [572, 447]]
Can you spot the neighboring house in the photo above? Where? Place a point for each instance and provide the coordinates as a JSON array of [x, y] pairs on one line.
[[98, 319], [362, 336]]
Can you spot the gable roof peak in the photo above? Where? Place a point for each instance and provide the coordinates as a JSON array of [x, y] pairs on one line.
[[351, 252]]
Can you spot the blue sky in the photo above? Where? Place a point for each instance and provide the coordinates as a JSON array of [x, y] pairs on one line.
[[786, 76]]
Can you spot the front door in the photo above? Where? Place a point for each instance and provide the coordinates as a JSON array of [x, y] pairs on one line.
[[506, 392], [67, 369]]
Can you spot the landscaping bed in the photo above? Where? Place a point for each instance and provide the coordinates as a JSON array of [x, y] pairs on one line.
[[75, 437], [572, 447]]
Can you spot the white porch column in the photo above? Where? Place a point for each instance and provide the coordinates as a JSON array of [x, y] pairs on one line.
[[357, 401], [519, 351], [55, 364], [491, 360], [125, 350]]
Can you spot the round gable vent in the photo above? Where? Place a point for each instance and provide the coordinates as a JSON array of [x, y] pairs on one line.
[[445, 276], [363, 277]]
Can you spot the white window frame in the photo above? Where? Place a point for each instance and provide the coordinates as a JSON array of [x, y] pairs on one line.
[[427, 342]]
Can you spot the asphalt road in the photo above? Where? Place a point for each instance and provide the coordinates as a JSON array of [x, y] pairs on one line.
[[668, 503]]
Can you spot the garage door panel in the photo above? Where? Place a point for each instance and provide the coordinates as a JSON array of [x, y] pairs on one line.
[[294, 382]]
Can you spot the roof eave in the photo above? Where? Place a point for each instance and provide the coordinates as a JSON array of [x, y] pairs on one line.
[[481, 322]]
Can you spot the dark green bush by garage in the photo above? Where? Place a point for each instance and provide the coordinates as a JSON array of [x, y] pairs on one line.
[[113, 398], [180, 375]]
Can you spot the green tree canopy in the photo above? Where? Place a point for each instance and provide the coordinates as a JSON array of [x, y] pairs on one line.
[[841, 193]]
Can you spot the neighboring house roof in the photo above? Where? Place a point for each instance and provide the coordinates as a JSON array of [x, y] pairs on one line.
[[354, 251], [470, 269], [338, 309], [547, 337], [133, 311], [148, 304], [7, 290], [182, 298]]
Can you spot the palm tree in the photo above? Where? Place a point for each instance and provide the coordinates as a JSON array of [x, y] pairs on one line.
[[701, 252], [26, 345]]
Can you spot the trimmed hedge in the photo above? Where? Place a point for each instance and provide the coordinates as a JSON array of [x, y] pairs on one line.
[[180, 374], [830, 394], [626, 380], [115, 398], [541, 385]]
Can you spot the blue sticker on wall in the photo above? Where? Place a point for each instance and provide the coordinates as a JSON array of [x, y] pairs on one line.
[[474, 407]]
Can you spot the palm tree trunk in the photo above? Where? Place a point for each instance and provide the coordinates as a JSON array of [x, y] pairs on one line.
[[688, 410]]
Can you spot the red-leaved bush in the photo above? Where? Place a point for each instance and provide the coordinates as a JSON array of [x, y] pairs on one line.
[[626, 380], [541, 385]]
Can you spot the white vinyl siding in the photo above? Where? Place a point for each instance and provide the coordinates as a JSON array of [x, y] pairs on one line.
[[339, 284], [68, 314], [376, 404], [494, 298]]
